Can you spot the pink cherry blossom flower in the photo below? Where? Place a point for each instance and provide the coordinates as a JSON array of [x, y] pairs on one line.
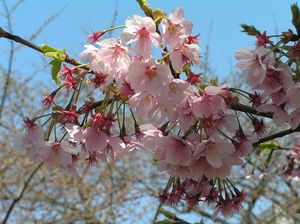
[[94, 57], [114, 54], [114, 150], [95, 140], [141, 30], [30, 141], [175, 28], [75, 133], [161, 114], [174, 150], [294, 119], [215, 150], [210, 102], [184, 54], [280, 116], [104, 147], [174, 93], [148, 76], [293, 97], [143, 103], [185, 116], [255, 64], [58, 154]]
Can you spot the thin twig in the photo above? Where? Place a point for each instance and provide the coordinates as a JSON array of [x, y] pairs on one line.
[[277, 135], [10, 36], [17, 199], [10, 60]]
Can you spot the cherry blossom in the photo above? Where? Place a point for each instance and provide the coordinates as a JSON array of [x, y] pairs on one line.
[[141, 30]]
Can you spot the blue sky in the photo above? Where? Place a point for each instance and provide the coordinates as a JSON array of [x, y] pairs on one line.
[[78, 18]]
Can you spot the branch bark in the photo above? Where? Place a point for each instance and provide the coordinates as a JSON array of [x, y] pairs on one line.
[[7, 35]]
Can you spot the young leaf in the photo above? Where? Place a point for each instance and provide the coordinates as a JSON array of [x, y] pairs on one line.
[[53, 52], [250, 30], [56, 65]]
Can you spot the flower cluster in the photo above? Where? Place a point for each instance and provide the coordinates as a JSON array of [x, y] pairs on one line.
[[205, 191], [273, 82], [183, 119]]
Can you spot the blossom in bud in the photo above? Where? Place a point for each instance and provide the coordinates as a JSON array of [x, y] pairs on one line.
[[97, 120], [95, 37], [260, 127], [88, 105], [71, 83], [226, 206], [255, 99], [262, 40], [99, 79], [163, 196], [47, 101], [193, 78], [69, 116], [193, 39], [126, 90], [29, 123], [66, 71]]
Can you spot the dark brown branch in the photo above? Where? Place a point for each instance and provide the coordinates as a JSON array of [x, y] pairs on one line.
[[276, 135], [17, 199], [7, 35], [250, 110]]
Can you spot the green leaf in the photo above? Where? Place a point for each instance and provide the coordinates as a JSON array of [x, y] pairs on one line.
[[266, 147], [296, 17], [250, 30], [56, 65], [53, 52]]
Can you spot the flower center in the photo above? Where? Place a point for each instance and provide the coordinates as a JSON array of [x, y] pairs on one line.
[[143, 33], [151, 71]]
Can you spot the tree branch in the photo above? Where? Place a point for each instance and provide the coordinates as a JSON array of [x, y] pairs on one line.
[[276, 135], [17, 199], [7, 35], [250, 110]]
